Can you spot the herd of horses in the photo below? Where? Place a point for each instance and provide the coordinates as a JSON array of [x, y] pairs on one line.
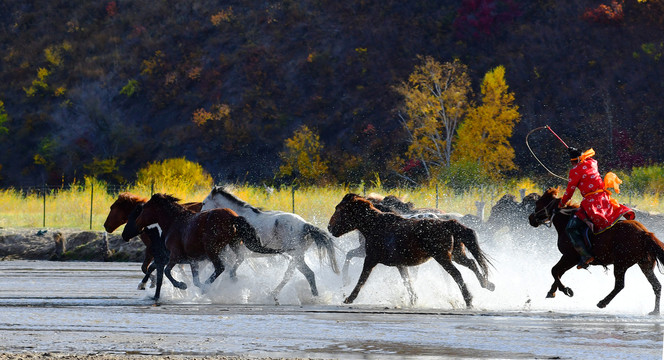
[[392, 233]]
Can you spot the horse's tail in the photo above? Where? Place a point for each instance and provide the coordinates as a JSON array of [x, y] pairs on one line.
[[250, 238], [657, 247], [324, 242], [468, 237]]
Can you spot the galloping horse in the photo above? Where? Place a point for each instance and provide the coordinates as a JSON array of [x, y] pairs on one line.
[[120, 210], [283, 231], [396, 241], [189, 236], [393, 204], [627, 243]]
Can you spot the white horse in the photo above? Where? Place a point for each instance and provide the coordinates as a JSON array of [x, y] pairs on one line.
[[278, 230]]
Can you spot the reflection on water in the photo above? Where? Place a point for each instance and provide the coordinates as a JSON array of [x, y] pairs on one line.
[[94, 307]]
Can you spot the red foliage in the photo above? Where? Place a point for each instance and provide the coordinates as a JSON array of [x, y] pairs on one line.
[[480, 17], [606, 14], [411, 164], [112, 8], [627, 158]]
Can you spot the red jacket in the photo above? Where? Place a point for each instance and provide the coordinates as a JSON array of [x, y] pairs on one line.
[[596, 205]]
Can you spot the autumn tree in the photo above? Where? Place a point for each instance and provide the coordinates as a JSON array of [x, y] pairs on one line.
[[301, 159], [436, 98], [483, 137]]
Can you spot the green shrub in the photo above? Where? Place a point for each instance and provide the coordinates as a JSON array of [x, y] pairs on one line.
[[647, 179]]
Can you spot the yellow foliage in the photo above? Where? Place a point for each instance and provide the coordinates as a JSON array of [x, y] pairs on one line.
[[436, 99], [219, 112], [174, 174], [484, 135], [302, 157], [225, 15]]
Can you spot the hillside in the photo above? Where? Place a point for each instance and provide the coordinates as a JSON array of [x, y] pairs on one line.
[[126, 81]]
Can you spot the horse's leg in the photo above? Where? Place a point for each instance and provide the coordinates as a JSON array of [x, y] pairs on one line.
[[308, 274], [647, 268], [369, 264], [287, 276], [447, 264], [167, 272], [160, 278], [148, 272], [619, 273], [403, 271], [239, 258], [194, 273], [357, 252], [218, 268], [463, 260], [565, 263], [146, 269]]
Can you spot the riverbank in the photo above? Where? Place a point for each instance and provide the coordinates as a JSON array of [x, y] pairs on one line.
[[58, 356], [67, 245]]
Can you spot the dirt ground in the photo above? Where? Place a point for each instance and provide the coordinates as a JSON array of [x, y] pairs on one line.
[[54, 356]]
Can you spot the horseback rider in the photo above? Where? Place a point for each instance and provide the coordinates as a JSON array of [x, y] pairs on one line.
[[598, 211]]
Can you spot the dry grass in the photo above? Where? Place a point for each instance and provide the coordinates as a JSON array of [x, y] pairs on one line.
[[70, 208]]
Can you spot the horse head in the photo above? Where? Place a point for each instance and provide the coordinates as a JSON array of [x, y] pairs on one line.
[[347, 213], [397, 204], [544, 208], [120, 210], [160, 208], [131, 229]]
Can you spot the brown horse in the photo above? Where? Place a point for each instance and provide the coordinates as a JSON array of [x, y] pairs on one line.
[[118, 215], [190, 236], [627, 243], [396, 241]]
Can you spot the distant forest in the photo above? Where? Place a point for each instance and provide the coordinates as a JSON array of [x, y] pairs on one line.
[[103, 88]]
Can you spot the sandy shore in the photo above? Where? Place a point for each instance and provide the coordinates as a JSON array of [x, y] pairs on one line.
[[57, 356]]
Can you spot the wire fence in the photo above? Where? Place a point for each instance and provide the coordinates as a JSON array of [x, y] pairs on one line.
[[82, 207]]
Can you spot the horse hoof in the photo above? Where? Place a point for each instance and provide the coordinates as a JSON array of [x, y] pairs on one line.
[[568, 292], [550, 295], [654, 312], [141, 286], [348, 301], [181, 286], [601, 304], [490, 286]]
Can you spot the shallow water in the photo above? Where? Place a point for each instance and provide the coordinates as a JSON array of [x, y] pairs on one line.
[[83, 307]]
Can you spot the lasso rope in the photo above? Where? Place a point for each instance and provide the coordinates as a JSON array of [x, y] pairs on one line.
[[535, 156]]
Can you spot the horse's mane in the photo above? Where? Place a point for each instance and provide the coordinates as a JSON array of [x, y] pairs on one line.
[[553, 193], [131, 198], [221, 190], [169, 202]]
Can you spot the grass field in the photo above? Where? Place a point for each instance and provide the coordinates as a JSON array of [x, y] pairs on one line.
[[85, 206]]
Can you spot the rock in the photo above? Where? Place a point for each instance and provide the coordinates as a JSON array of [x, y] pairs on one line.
[[67, 244]]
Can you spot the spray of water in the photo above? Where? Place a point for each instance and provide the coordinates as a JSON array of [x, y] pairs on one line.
[[521, 273]]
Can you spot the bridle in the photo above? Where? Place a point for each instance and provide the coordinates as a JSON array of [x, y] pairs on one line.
[[549, 213]]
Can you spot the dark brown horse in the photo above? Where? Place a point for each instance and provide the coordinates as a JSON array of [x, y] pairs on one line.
[[118, 215], [396, 241], [190, 237], [627, 243]]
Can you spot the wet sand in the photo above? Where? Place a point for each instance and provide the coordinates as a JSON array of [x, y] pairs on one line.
[[55, 356]]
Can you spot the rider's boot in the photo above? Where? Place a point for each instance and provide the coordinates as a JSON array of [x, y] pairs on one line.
[[575, 229]]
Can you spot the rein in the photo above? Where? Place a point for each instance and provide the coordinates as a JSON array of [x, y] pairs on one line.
[[535, 156]]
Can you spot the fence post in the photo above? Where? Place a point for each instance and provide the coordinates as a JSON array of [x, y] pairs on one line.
[[92, 197], [152, 188], [293, 198], [436, 195], [44, 207]]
